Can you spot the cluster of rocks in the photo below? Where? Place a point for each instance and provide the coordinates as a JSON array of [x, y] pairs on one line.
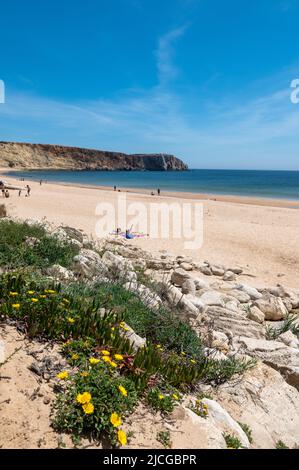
[[232, 317]]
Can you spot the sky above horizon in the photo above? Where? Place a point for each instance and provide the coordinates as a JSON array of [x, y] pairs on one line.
[[206, 80]]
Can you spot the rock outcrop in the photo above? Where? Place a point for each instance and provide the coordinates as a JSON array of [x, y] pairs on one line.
[[42, 156]]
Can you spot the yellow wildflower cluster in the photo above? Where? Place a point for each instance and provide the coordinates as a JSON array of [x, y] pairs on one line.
[[63, 375], [85, 400], [94, 360], [123, 391], [116, 421]]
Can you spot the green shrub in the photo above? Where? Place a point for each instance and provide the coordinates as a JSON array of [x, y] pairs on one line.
[[48, 250], [93, 402], [232, 442], [289, 324], [281, 445], [164, 438], [160, 401], [247, 431]]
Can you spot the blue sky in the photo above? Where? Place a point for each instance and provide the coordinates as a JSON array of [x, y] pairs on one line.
[[206, 80]]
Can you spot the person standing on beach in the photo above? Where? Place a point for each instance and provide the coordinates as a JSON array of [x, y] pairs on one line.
[[28, 190], [158, 191], [114, 188]]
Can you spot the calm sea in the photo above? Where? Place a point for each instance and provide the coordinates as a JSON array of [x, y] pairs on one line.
[[269, 184]]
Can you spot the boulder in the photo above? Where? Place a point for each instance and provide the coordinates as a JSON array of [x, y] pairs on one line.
[[177, 299], [186, 266], [60, 273], [217, 270], [241, 296], [116, 261], [272, 307], [212, 297], [148, 297], [236, 270], [232, 323], [179, 276], [229, 276], [275, 354], [253, 293], [88, 263], [255, 314], [206, 270], [289, 339], [188, 287], [223, 420], [135, 340], [191, 431], [266, 403], [218, 340]]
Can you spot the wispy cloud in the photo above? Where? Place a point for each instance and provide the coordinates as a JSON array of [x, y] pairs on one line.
[[165, 54]]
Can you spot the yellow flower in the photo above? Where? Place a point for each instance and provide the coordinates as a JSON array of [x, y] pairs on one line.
[[30, 292], [106, 358], [105, 353], [113, 364], [122, 437], [75, 356], [83, 398], [94, 360], [118, 357], [43, 296], [70, 320], [193, 361], [63, 375], [175, 396], [183, 353], [123, 390], [84, 374], [16, 306], [113, 328], [115, 420], [66, 301], [13, 294], [123, 326], [50, 291], [34, 300], [88, 408], [161, 397]]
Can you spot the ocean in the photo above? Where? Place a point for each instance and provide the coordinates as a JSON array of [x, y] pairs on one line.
[[264, 184]]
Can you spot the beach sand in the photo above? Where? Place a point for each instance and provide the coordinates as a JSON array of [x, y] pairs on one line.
[[261, 236]]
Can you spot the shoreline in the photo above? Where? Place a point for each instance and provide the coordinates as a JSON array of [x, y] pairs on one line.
[[260, 236], [230, 198]]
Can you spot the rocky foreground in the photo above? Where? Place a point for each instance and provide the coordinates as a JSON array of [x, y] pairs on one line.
[[233, 320], [41, 156]]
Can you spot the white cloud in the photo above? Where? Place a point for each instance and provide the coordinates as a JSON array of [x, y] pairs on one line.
[[165, 53]]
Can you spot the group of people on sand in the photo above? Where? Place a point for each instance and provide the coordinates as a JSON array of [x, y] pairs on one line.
[[6, 193], [152, 193]]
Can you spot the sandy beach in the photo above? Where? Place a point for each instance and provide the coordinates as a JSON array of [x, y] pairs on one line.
[[260, 235]]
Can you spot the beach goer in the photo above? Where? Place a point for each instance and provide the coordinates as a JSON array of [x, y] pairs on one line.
[[40, 182], [158, 191], [28, 190], [152, 193], [114, 188], [129, 235], [6, 193], [20, 191]]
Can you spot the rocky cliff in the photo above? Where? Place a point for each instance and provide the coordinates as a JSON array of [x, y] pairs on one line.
[[35, 156]]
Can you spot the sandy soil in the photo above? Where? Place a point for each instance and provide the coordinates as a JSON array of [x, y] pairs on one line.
[[262, 236]]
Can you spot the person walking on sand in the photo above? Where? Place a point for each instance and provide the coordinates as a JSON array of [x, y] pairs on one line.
[[158, 191], [28, 190], [114, 188], [20, 192]]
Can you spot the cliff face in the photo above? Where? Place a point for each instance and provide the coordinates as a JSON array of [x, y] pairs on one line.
[[40, 156]]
